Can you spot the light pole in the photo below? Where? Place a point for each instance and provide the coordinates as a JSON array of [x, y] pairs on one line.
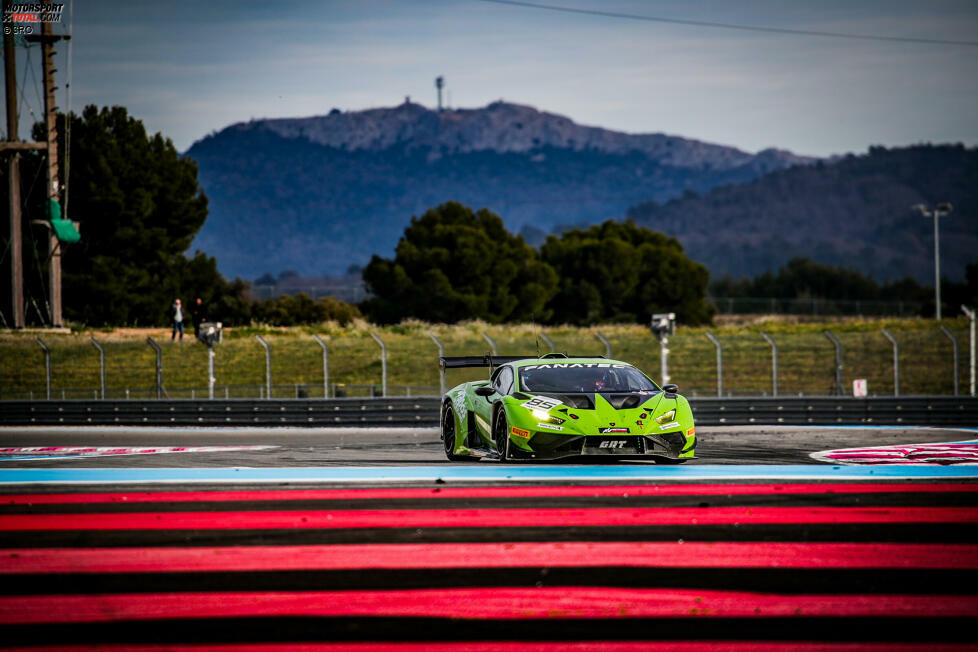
[[941, 209]]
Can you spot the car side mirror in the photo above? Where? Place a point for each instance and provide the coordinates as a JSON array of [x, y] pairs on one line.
[[485, 390], [670, 388]]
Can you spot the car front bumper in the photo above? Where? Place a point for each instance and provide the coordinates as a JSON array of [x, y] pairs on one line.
[[671, 445]]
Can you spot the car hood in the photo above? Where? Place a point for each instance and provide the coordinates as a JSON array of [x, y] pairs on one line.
[[592, 414]]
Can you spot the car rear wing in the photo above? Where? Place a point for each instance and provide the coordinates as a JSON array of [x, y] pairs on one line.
[[489, 360]]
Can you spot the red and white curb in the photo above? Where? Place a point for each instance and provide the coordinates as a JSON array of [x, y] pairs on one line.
[[962, 452], [62, 452]]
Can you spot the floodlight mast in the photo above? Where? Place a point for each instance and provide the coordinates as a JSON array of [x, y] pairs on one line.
[[944, 208], [663, 325]]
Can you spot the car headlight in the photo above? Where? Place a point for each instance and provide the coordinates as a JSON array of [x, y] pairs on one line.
[[544, 416], [667, 417]]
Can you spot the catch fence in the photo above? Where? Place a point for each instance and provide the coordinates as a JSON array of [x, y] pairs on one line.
[[929, 361]]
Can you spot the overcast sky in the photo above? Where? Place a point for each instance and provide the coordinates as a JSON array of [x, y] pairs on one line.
[[189, 68]]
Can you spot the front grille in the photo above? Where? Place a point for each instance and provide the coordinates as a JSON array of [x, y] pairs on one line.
[[675, 439], [572, 446]]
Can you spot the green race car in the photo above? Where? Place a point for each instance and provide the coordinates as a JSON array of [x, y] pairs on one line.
[[556, 406]]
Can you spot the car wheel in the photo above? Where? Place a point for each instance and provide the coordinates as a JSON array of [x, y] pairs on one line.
[[448, 434], [500, 435]]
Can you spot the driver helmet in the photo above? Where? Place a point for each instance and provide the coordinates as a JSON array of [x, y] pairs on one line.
[[601, 382]]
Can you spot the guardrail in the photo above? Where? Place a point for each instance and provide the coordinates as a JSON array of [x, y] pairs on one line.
[[903, 410], [351, 412], [423, 412]]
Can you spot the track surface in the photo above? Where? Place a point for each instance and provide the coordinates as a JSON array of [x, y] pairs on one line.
[[617, 563], [317, 447]]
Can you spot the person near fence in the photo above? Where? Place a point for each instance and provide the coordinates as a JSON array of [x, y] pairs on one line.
[[197, 315], [177, 320]]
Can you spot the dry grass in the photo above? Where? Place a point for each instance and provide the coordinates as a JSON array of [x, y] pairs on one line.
[[806, 357]]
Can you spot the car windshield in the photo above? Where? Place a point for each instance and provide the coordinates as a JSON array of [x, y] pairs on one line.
[[584, 377]]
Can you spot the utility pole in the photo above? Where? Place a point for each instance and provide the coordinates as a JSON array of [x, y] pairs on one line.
[[13, 177], [54, 184], [439, 84], [14, 146]]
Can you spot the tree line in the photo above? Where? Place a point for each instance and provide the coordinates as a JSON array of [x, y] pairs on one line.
[[139, 205], [802, 278], [454, 263]]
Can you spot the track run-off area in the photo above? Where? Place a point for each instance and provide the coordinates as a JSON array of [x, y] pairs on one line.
[[773, 538]]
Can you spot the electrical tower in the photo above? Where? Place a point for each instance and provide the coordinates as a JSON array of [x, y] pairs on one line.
[[59, 230]]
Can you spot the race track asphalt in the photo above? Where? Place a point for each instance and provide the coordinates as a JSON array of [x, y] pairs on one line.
[[303, 447]]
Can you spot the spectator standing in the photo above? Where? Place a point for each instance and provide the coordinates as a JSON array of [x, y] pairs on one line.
[[197, 315], [177, 320]]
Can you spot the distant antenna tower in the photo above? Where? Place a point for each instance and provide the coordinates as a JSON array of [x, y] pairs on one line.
[[439, 84]]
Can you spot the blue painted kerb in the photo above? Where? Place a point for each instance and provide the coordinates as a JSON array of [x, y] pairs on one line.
[[479, 472]]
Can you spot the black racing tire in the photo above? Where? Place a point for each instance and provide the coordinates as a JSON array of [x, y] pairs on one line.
[[500, 434], [448, 434]]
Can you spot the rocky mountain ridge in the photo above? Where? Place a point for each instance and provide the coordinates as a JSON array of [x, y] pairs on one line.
[[503, 128], [318, 194]]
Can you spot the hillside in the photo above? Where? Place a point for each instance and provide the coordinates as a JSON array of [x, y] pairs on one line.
[[855, 212], [318, 194]]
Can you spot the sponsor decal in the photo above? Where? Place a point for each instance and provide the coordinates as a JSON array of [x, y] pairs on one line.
[[58, 452], [549, 426], [564, 365], [613, 430], [672, 424], [643, 415], [458, 400], [619, 443], [545, 403], [947, 453], [519, 432], [573, 416], [639, 423]]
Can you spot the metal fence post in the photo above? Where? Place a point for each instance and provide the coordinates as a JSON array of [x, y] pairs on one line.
[[383, 364], [774, 363], [548, 341], [971, 317], [838, 360], [47, 366], [101, 361], [492, 343], [607, 345], [441, 354], [896, 362], [210, 371], [954, 354], [268, 366], [664, 359], [325, 365], [719, 346], [159, 367]]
